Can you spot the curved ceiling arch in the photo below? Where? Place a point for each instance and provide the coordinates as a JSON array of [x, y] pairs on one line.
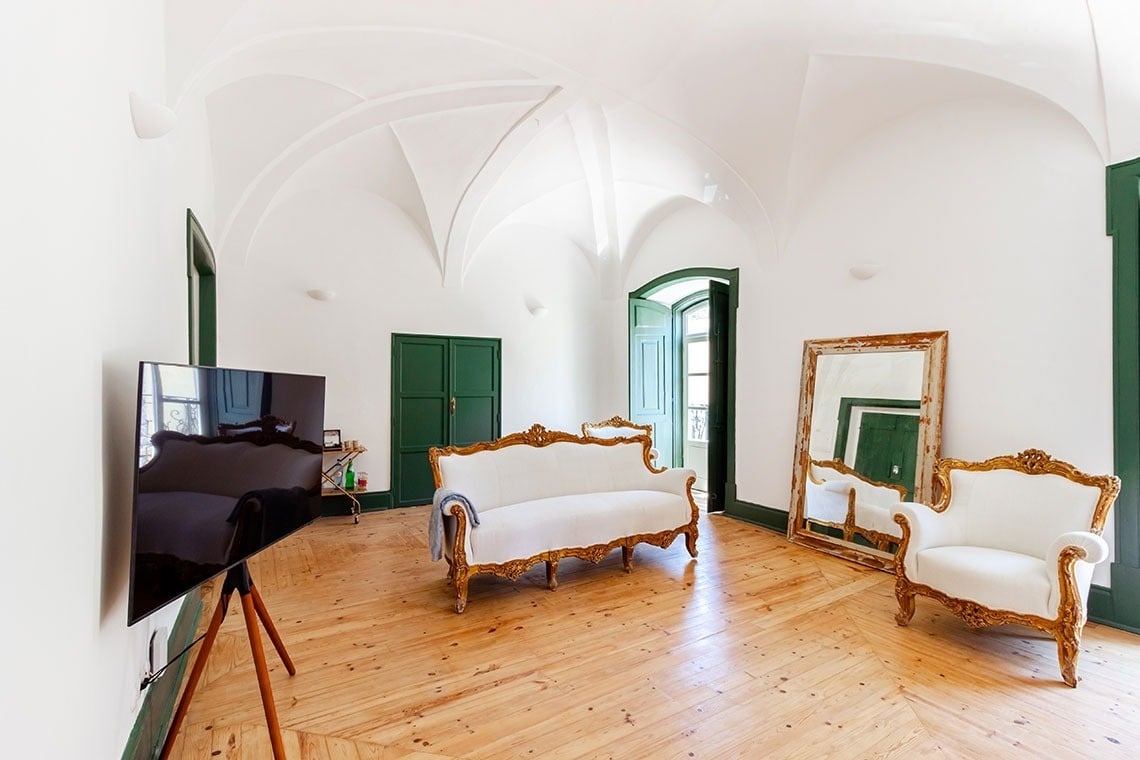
[[257, 198], [864, 95]]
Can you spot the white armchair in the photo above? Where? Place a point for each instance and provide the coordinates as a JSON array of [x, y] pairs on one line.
[[1010, 540], [837, 496]]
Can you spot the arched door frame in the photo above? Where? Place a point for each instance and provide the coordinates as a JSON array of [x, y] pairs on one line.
[[732, 278]]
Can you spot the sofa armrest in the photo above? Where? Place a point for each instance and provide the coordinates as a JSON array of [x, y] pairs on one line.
[[672, 480], [927, 530]]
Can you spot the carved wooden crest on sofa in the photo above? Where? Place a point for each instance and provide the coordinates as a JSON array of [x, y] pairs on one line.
[[1012, 539]]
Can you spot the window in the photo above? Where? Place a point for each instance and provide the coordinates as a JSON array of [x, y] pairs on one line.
[[171, 400], [696, 371]]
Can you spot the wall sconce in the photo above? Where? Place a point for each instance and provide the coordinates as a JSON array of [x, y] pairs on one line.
[[321, 294], [866, 270], [535, 307], [151, 119]]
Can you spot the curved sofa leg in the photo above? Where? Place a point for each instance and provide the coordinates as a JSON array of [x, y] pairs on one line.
[[1068, 649], [552, 574], [460, 593], [691, 543], [627, 558]]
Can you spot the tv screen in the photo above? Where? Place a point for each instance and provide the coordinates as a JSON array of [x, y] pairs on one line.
[[229, 462]]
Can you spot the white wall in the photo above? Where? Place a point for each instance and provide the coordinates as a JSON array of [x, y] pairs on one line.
[[97, 266], [386, 281], [989, 217]]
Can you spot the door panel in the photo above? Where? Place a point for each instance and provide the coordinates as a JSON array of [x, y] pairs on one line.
[[651, 372], [445, 392], [475, 388], [718, 395], [420, 416], [887, 450]]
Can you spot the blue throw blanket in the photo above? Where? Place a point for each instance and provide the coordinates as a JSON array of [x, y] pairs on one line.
[[442, 500]]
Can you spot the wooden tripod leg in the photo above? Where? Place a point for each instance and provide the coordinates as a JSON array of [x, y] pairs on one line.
[[249, 610], [195, 675], [271, 629]]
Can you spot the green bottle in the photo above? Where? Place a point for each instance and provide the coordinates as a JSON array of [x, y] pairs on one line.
[[349, 478]]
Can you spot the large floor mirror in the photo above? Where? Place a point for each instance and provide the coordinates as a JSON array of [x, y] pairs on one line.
[[869, 432]]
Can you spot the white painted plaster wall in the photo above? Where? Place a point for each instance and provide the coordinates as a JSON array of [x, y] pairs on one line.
[[386, 281], [989, 218], [94, 240]]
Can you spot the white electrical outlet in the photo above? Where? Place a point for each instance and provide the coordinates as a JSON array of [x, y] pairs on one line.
[[158, 642]]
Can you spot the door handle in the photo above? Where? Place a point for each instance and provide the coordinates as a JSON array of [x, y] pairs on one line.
[[453, 404]]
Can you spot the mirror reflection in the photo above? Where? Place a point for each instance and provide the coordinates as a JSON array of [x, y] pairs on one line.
[[870, 425]]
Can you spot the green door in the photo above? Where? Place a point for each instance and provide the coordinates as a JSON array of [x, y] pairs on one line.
[[887, 450], [651, 372], [718, 395], [445, 392]]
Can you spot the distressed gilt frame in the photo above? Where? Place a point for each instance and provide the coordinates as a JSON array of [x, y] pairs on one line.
[[933, 344], [615, 422], [1066, 628], [460, 570]]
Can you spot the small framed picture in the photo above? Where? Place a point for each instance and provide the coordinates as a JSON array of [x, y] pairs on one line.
[[332, 439]]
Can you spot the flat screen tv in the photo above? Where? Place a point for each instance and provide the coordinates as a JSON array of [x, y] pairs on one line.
[[229, 462]]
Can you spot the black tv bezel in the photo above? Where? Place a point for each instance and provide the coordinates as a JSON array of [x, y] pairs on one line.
[[134, 617]]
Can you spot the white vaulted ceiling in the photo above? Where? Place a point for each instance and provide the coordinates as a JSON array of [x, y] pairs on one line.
[[598, 119]]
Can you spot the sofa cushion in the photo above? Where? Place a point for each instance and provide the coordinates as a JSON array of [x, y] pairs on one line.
[[994, 578], [525, 529]]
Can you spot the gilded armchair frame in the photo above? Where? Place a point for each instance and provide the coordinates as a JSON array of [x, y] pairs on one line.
[[1067, 627]]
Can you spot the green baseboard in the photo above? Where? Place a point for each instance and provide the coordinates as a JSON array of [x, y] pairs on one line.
[[758, 514], [153, 720], [1117, 606], [373, 501]]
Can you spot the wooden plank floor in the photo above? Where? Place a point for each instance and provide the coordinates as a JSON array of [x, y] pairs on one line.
[[756, 649]]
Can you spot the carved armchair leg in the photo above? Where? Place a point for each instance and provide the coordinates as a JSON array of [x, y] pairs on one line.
[[627, 558], [905, 596], [460, 593], [450, 569], [691, 543], [1068, 649]]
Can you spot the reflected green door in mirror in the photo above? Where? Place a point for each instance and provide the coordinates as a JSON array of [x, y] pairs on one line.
[[888, 449]]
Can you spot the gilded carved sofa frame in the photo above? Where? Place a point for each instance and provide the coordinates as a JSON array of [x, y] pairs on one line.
[[1066, 628], [460, 570]]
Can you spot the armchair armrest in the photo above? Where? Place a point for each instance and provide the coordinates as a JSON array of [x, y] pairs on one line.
[[927, 529], [828, 501], [1095, 549]]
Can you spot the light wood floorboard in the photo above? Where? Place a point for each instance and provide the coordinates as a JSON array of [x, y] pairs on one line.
[[758, 648]]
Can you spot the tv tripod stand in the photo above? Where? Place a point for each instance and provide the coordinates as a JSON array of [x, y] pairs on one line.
[[252, 606]]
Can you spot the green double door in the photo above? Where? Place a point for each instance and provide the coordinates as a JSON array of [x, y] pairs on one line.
[[445, 392]]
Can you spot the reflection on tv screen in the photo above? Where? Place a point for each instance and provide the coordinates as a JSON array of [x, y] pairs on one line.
[[229, 461]]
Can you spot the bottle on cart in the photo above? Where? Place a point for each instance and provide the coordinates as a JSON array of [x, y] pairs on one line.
[[349, 477]]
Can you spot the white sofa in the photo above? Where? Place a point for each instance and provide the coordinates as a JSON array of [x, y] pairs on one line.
[[542, 495], [1012, 539], [838, 497]]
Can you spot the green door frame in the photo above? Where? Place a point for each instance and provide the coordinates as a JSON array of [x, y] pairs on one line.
[[202, 298], [734, 507], [680, 414], [847, 403], [1119, 604]]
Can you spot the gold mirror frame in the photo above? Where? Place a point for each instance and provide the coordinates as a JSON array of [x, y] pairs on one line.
[[933, 344]]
